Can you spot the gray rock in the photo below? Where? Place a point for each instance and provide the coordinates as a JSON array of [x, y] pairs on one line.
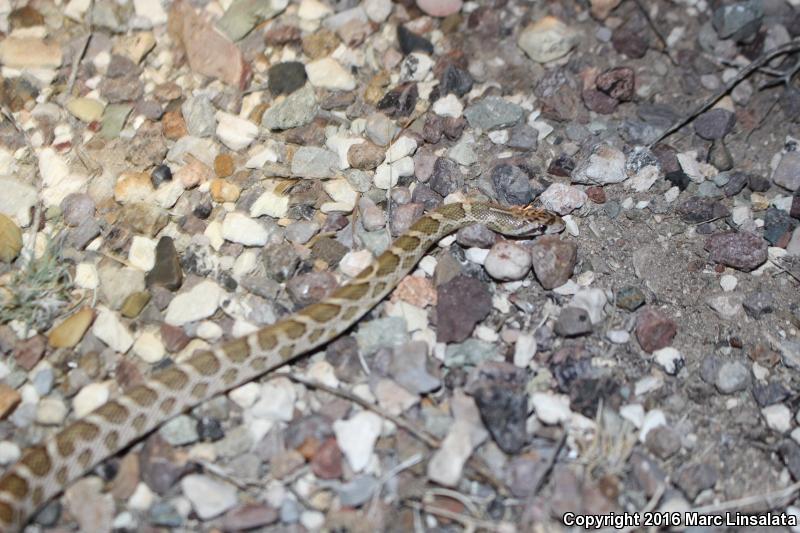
[[471, 352], [381, 333], [297, 109], [408, 368], [758, 304], [493, 112], [357, 491], [199, 114], [180, 431], [714, 124], [739, 20], [572, 322], [312, 162], [511, 185], [787, 174], [732, 377]]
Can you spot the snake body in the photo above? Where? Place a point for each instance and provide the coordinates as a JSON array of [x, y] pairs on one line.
[[45, 469]]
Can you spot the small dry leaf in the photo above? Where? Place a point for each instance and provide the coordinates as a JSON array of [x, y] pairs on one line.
[[10, 239]]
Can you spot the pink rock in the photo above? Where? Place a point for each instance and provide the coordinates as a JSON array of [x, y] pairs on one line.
[[209, 52], [440, 8]]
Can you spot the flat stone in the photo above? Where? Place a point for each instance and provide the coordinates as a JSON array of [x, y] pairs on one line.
[[740, 250]]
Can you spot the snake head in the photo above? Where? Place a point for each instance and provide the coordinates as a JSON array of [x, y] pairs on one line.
[[527, 221]]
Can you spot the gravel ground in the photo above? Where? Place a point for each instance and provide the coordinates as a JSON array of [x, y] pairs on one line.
[[177, 174]]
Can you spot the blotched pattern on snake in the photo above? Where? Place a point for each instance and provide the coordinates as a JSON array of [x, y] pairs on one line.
[[44, 470]]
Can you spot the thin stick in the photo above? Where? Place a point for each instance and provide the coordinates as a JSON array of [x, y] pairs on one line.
[[467, 521], [780, 494], [655, 29], [474, 463], [766, 57]]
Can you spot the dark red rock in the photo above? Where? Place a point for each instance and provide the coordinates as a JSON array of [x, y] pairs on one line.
[[553, 260], [654, 330], [327, 461], [174, 338], [619, 83], [30, 351], [794, 211], [596, 194], [462, 303], [714, 124], [599, 102], [740, 250]]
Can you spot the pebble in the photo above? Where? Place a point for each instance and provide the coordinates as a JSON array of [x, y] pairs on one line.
[[727, 306], [511, 185], [238, 227], [464, 435], [276, 401], [551, 408], [740, 250], [732, 377], [714, 124], [410, 42], [778, 417], [51, 412], [553, 260], [86, 109], [327, 73], [670, 359], [563, 198], [234, 132], [381, 333], [92, 509], [654, 330], [209, 498], [9, 452], [461, 303], [508, 261], [440, 8], [728, 282], [356, 438], [312, 162], [149, 347], [738, 21], [787, 173], [90, 398], [180, 431], [547, 39], [605, 165], [448, 106], [502, 402], [108, 328], [200, 302], [298, 109], [759, 303], [493, 112], [573, 322], [69, 332], [249, 516]]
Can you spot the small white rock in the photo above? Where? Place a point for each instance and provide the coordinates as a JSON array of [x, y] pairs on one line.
[[246, 395], [238, 227], [633, 413], [149, 348], [276, 402], [449, 106], [652, 420], [270, 204], [551, 408], [402, 147], [728, 282], [669, 359], [51, 412], [524, 350], [142, 253], [327, 73], [142, 498], [201, 301], [90, 398], [236, 133], [356, 438], [618, 336], [354, 262], [9, 452], [209, 497], [508, 261], [86, 276], [108, 328], [778, 417]]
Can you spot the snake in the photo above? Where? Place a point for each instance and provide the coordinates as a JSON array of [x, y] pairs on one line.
[[44, 470]]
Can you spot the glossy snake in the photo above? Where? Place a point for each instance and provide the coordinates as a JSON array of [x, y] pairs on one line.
[[44, 470]]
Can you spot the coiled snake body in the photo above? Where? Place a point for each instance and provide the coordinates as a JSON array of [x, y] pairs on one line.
[[45, 469]]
